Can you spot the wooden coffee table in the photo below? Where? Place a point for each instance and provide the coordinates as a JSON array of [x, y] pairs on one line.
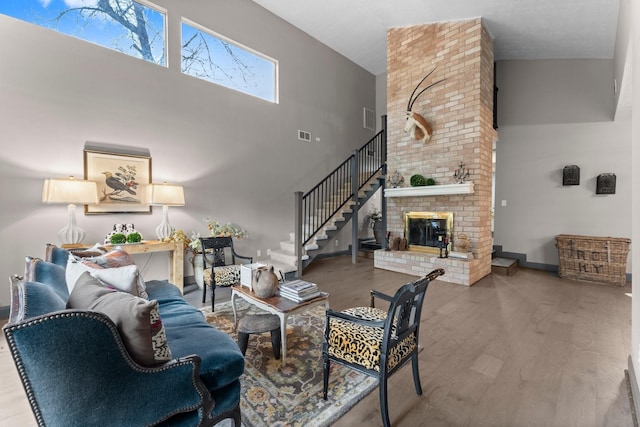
[[280, 306]]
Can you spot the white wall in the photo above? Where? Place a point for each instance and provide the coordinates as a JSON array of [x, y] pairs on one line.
[[554, 113], [237, 156], [635, 135]]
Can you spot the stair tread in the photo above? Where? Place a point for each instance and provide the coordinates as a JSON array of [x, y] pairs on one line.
[[503, 262], [323, 237]]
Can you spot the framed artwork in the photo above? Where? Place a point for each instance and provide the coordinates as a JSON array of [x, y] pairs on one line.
[[606, 183], [122, 180]]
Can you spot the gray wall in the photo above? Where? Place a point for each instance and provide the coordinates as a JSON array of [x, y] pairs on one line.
[[554, 113], [237, 156], [634, 364]]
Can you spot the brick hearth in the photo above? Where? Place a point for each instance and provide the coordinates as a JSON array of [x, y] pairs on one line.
[[460, 111]]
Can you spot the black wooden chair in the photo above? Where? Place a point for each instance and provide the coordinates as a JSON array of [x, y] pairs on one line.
[[220, 273], [378, 342]]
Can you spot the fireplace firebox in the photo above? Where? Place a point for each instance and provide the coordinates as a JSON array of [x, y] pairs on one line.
[[428, 231]]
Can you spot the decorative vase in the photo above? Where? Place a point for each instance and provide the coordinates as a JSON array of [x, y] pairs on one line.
[[198, 268], [265, 283], [377, 231]]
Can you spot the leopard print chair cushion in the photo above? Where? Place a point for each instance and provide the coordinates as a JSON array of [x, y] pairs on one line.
[[226, 275], [360, 344]]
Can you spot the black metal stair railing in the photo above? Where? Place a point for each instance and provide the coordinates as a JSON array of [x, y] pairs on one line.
[[339, 189]]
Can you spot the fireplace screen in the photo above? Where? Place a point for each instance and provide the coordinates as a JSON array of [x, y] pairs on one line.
[[428, 231]]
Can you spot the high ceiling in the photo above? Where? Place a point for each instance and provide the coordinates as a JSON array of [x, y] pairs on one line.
[[522, 29]]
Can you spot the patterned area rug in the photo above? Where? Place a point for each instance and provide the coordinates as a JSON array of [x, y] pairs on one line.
[[273, 395]]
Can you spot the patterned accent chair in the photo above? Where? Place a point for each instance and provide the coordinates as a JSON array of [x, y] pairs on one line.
[[378, 342], [220, 273]]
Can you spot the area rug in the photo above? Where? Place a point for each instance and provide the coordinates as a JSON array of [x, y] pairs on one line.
[[273, 395]]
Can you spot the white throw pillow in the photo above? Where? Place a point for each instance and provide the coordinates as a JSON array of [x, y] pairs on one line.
[[123, 278]]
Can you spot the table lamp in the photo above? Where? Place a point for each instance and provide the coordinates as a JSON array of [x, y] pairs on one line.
[[72, 191], [165, 195]]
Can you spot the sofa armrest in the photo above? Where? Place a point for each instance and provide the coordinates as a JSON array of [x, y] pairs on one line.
[[75, 369]]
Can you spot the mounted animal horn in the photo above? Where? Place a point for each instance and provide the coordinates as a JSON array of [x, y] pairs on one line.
[[416, 125]]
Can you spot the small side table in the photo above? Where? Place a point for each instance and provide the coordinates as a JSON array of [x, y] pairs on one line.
[[258, 324]]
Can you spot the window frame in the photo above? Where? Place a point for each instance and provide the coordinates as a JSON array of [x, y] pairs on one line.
[[78, 36], [275, 62]]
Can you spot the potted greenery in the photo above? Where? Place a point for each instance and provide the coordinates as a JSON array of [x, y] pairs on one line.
[[118, 239], [134, 237], [417, 180]]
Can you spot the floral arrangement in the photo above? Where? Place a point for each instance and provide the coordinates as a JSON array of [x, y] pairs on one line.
[[216, 230], [227, 230], [180, 237]]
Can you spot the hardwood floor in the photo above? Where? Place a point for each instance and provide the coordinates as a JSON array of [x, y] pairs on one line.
[[526, 350]]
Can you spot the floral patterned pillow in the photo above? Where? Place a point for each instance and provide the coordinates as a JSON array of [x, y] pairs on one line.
[[118, 257]]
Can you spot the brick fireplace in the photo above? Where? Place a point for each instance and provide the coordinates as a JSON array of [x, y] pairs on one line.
[[460, 111]]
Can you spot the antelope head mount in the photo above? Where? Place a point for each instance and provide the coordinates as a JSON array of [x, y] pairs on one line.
[[416, 125]]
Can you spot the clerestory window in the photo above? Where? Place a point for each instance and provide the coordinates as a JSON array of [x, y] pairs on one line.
[[136, 28], [214, 58]]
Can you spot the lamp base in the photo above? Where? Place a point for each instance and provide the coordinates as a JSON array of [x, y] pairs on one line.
[[71, 233], [165, 229]]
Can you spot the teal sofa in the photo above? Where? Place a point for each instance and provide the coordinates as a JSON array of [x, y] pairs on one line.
[[76, 370]]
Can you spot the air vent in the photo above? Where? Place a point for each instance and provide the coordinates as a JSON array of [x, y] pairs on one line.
[[368, 119], [304, 135]]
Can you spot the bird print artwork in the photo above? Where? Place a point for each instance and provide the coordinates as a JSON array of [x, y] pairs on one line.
[[120, 186]]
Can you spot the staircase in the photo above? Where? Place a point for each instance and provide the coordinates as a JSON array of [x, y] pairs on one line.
[[323, 211], [284, 259]]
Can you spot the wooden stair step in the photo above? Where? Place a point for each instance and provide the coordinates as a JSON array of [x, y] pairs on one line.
[[504, 266]]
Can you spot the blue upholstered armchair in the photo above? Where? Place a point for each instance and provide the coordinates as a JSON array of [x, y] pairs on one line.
[[77, 370]]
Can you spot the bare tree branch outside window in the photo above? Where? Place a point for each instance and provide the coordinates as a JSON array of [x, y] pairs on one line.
[[138, 30]]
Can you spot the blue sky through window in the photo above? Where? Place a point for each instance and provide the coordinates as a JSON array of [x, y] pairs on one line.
[[223, 62], [89, 20]]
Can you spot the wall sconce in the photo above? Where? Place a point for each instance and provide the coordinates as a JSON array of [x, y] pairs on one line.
[[606, 183], [72, 191], [165, 195], [571, 175]]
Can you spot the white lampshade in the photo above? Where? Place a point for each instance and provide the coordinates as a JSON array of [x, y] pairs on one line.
[[166, 195], [71, 191]]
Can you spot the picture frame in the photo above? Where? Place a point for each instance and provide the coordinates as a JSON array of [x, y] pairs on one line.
[[123, 180]]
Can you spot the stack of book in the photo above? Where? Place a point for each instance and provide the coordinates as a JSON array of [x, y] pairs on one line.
[[299, 290]]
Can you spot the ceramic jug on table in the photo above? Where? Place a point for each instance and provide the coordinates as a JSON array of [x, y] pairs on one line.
[[265, 282]]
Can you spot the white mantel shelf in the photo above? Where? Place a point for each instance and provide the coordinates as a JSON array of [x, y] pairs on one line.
[[430, 190]]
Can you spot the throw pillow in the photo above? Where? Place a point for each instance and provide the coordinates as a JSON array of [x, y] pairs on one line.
[[118, 257], [95, 250], [122, 278], [138, 320]]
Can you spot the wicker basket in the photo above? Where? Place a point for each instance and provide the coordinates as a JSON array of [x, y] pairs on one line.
[[595, 259]]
